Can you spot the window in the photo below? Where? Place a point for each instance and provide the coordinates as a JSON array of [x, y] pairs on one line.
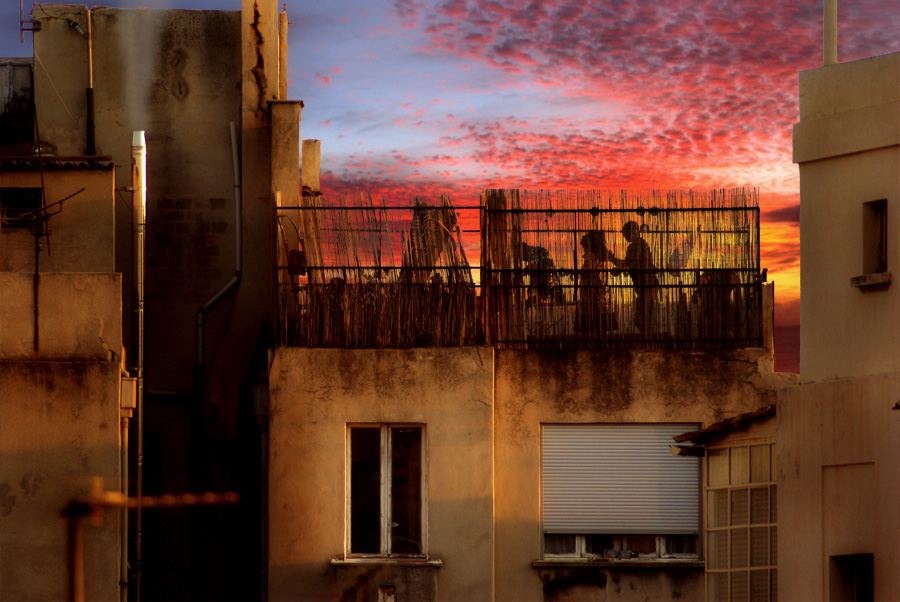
[[740, 524], [616, 491], [386, 509], [19, 207], [875, 237]]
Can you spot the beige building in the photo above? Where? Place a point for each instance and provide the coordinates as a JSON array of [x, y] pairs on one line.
[[209, 90], [61, 367], [838, 433], [534, 468]]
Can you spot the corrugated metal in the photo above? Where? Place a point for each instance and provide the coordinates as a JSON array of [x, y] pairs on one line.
[[618, 478]]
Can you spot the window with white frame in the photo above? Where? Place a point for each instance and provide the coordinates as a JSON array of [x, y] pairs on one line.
[[616, 491], [386, 510], [741, 524]]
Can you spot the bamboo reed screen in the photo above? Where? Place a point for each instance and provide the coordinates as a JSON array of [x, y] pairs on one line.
[[353, 274], [557, 269]]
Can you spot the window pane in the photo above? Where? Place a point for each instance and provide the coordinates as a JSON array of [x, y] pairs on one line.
[[772, 507], [740, 465], [559, 543], [681, 544], [759, 464], [717, 465], [773, 587], [717, 550], [759, 546], [759, 505], [717, 586], [739, 548], [759, 586], [406, 490], [597, 544], [365, 490], [717, 509], [739, 586], [740, 503], [642, 544], [773, 545]]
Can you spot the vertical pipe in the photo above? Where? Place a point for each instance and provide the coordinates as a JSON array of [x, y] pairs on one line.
[[91, 142], [282, 55], [76, 559], [830, 34], [123, 563], [139, 205]]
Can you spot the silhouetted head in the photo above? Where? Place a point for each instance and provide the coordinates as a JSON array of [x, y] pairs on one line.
[[594, 244], [630, 231]]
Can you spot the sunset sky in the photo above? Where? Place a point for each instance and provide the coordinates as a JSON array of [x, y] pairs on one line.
[[425, 97]]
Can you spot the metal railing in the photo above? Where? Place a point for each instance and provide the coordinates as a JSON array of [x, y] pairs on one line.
[[571, 269]]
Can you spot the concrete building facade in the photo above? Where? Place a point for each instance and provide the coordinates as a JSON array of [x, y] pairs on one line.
[[838, 433], [206, 87], [483, 412], [61, 368]]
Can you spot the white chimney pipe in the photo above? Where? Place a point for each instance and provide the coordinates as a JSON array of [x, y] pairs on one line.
[[139, 222], [830, 36]]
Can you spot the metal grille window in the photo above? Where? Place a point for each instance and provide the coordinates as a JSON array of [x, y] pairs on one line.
[[615, 490], [385, 493], [741, 524]]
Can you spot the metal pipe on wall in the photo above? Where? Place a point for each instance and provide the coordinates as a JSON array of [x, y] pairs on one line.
[[91, 135], [123, 563], [139, 222]]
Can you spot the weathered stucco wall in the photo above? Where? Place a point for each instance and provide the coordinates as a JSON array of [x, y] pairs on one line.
[[82, 231], [847, 144], [59, 426], [79, 317], [314, 394], [177, 75], [838, 482], [533, 388]]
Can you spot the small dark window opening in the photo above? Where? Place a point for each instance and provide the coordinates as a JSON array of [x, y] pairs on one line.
[[852, 578], [875, 237], [19, 207]]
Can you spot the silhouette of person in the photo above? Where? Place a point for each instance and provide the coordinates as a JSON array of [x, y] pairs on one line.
[[591, 310], [543, 282], [638, 264]]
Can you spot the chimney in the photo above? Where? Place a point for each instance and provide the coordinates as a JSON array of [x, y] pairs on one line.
[[830, 37]]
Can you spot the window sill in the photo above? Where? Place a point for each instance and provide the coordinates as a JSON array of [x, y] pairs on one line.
[[656, 563], [874, 279], [410, 562]]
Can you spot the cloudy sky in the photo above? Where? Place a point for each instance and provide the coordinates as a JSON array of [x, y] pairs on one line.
[[422, 96]]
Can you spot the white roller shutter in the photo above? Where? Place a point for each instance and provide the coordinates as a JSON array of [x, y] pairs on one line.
[[618, 478]]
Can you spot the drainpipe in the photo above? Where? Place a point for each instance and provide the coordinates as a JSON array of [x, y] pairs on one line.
[[91, 144], [139, 222], [238, 245], [128, 397]]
